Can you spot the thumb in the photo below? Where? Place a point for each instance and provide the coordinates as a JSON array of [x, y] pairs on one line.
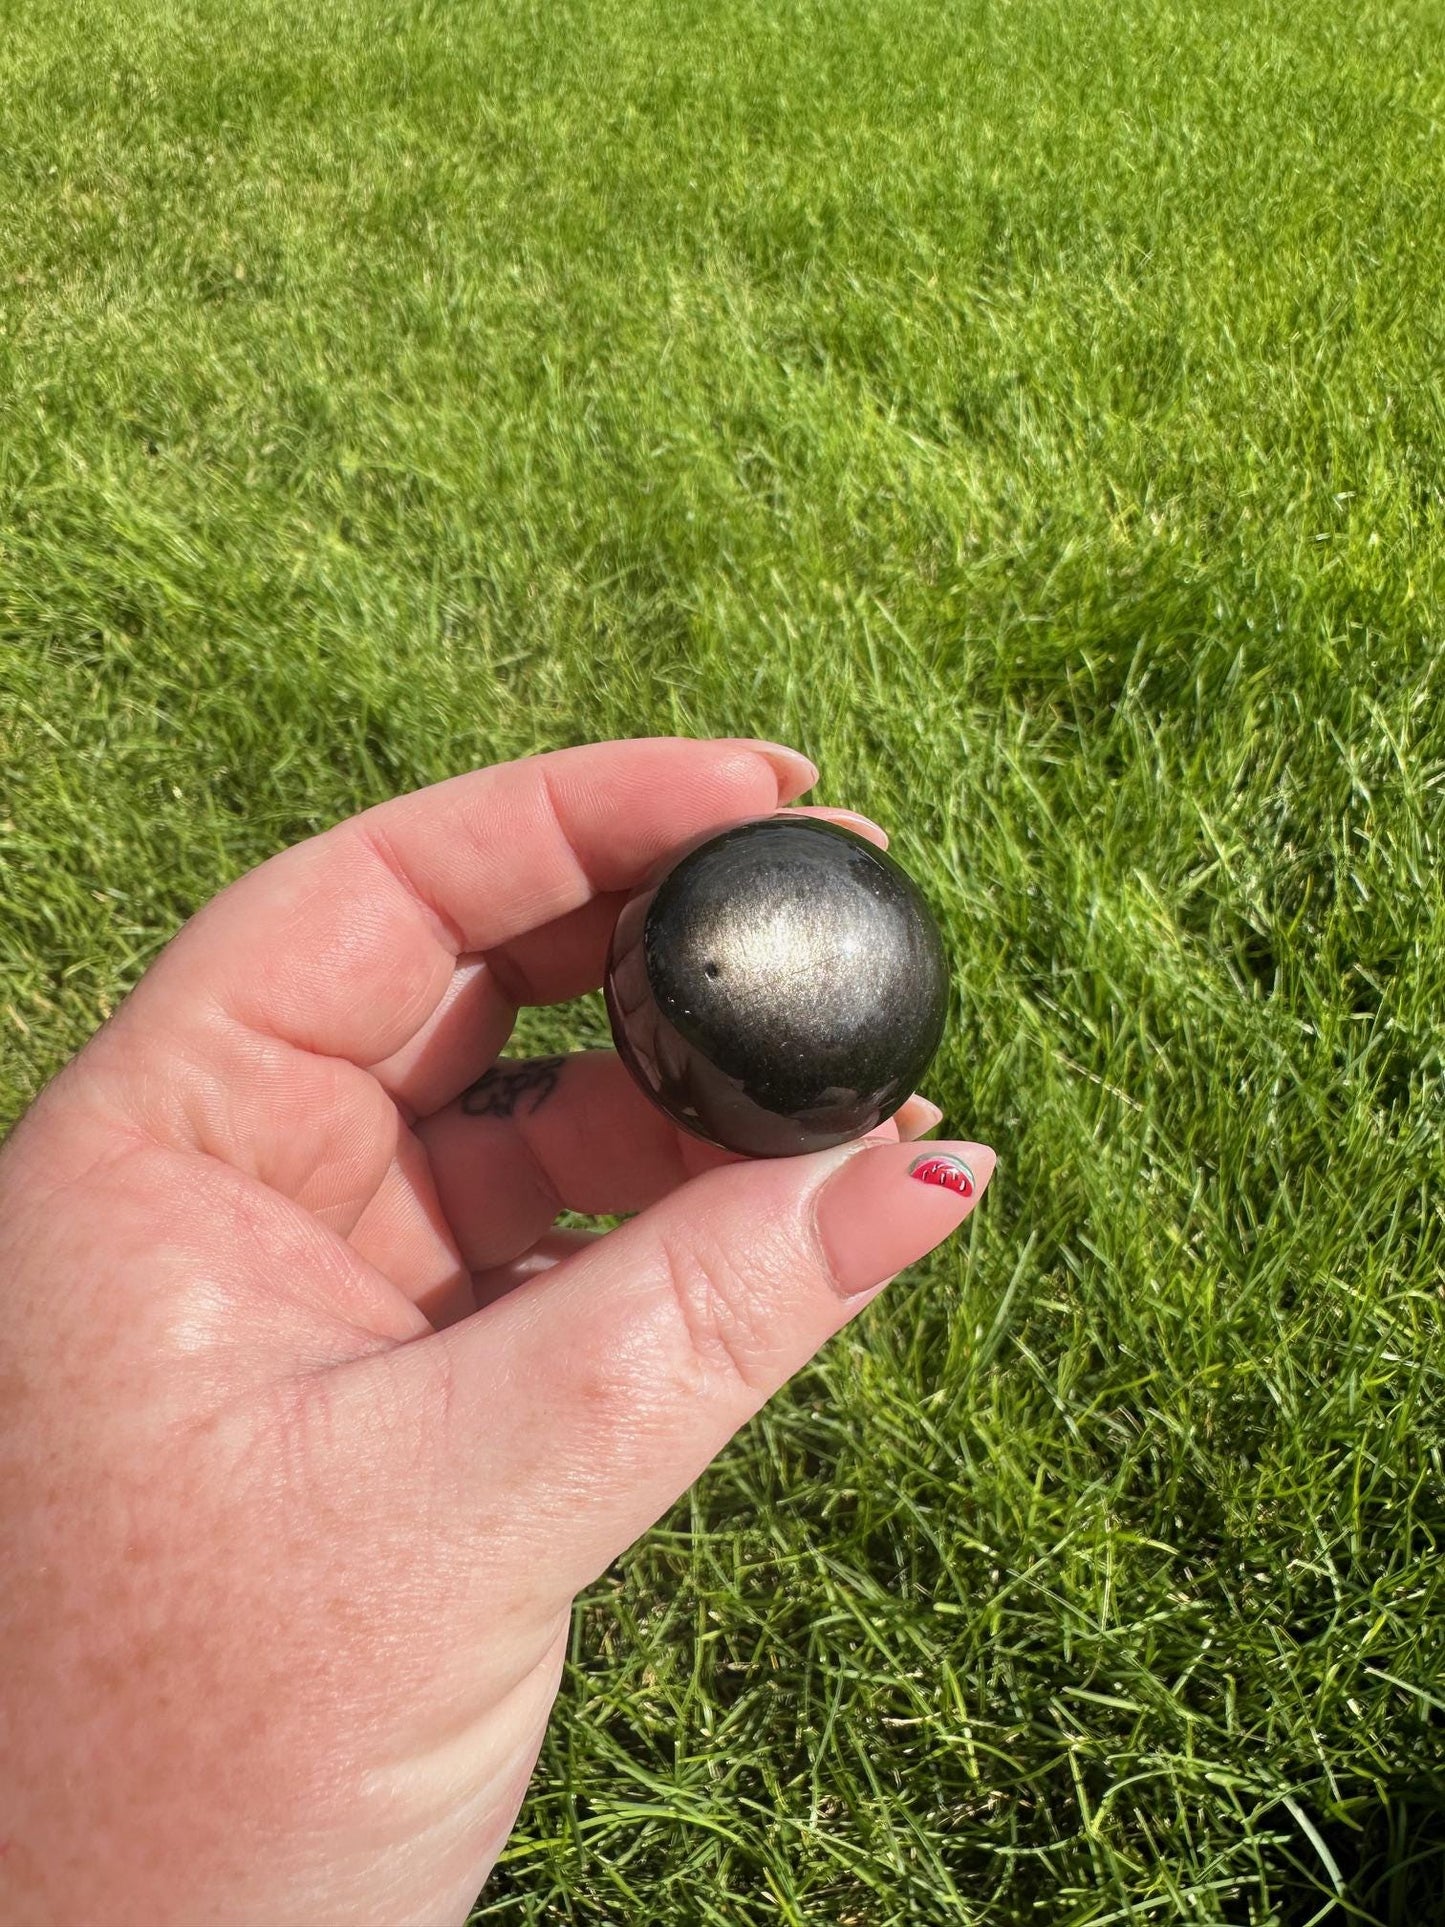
[[587, 1400]]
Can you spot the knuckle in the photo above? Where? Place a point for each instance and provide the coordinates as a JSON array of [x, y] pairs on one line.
[[721, 1308]]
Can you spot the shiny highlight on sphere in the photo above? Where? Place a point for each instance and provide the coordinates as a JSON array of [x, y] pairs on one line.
[[782, 987]]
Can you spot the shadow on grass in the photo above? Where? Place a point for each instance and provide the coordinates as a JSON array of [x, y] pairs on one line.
[[1390, 1861]]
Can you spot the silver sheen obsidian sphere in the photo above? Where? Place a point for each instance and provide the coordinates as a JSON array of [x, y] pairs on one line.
[[780, 988]]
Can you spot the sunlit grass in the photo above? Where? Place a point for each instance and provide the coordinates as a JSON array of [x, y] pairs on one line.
[[1034, 411]]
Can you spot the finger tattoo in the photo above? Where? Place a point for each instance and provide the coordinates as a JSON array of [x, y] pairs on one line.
[[499, 1091]]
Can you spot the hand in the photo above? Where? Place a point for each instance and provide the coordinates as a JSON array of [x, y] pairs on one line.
[[307, 1439]]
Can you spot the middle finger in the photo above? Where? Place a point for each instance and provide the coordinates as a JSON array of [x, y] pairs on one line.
[[558, 961]]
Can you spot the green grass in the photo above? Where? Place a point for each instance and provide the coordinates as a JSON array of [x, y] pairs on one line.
[[1033, 408]]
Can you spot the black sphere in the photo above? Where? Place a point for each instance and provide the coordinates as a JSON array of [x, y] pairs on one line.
[[780, 988]]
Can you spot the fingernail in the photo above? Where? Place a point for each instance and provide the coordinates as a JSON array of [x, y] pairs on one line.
[[853, 820], [795, 772], [888, 1206], [923, 1115]]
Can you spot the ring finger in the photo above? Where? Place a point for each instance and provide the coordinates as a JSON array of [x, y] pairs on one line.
[[538, 1136]]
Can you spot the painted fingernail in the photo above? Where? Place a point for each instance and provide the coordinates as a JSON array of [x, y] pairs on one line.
[[874, 1218], [952, 1173], [795, 771]]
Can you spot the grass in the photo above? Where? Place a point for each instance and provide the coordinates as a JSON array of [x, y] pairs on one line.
[[1033, 409]]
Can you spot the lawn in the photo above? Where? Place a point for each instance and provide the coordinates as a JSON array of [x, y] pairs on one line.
[[1032, 409]]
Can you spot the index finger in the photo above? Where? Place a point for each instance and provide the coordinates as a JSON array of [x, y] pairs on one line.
[[345, 944]]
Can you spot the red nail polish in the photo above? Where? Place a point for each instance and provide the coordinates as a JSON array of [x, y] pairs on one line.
[[952, 1173]]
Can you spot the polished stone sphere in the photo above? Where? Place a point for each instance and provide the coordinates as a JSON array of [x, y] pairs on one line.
[[779, 988]]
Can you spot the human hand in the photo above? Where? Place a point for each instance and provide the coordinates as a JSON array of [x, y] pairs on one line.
[[310, 1424]]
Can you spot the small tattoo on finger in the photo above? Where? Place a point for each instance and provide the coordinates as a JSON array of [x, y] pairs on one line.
[[500, 1091]]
